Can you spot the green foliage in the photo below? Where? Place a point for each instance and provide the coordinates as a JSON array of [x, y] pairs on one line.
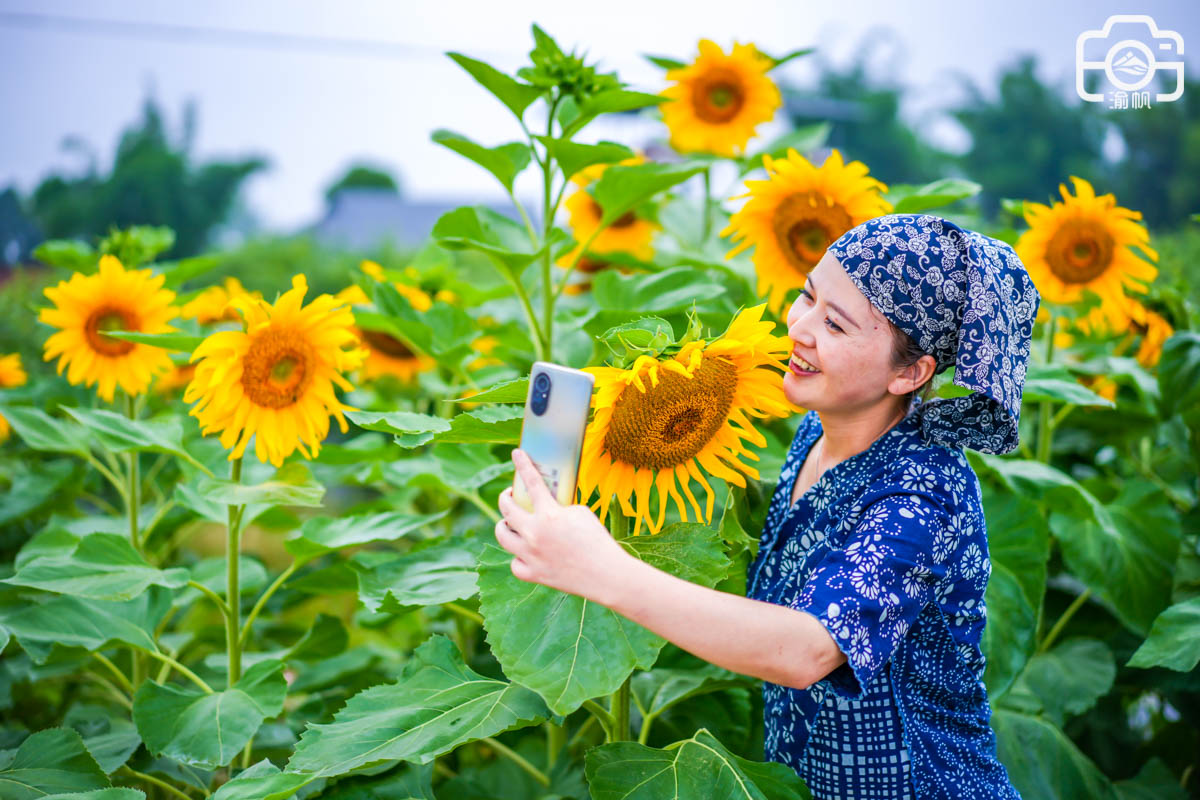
[[154, 181], [363, 176]]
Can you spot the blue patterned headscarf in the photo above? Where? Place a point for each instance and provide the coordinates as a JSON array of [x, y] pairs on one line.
[[967, 300]]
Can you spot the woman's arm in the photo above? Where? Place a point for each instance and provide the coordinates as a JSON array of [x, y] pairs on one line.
[[567, 548]]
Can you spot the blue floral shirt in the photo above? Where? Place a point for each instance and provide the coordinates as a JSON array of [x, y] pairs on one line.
[[888, 550]]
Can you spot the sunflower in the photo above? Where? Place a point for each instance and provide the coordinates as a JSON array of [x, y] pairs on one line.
[[1086, 242], [484, 345], [274, 381], [212, 304], [675, 419], [387, 355], [178, 378], [718, 100], [796, 213], [112, 298], [11, 374]]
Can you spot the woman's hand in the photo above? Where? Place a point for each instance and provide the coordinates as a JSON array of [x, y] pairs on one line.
[[564, 547]]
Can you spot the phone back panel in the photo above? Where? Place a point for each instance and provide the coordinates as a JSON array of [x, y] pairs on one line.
[[554, 439]]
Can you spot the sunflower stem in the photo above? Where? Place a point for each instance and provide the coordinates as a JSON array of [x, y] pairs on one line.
[[706, 217], [262, 601], [133, 493], [1045, 422], [562, 284], [548, 296], [517, 759], [233, 594], [1076, 604], [619, 708]]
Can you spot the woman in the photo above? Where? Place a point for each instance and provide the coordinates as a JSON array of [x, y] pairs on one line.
[[865, 609]]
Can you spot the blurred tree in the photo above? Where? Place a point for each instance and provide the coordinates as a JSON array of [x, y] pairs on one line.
[[864, 111], [1160, 174], [1028, 140], [363, 176], [153, 182]]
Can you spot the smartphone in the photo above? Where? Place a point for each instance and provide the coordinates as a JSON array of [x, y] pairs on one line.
[[556, 413]]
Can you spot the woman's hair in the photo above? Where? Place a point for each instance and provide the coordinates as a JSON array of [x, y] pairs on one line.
[[905, 353]]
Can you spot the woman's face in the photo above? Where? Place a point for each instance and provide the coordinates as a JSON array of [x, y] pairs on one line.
[[835, 328]]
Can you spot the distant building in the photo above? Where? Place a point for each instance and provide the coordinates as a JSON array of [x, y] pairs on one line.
[[361, 219]]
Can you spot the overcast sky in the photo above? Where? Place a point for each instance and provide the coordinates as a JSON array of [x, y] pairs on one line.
[[316, 85]]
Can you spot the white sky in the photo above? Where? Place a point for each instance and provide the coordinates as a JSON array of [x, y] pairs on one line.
[[313, 110]]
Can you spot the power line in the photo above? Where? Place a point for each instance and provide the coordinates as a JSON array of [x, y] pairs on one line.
[[208, 35]]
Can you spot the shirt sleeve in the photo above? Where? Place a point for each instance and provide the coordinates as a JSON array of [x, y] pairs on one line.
[[867, 593]]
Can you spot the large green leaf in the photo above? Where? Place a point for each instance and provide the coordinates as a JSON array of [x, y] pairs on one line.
[[1058, 385], [486, 231], [110, 739], [1174, 640], [504, 161], [623, 188], [1069, 678], [182, 342], [208, 730], [672, 289], [441, 573], [1018, 547], [32, 485], [575, 156], [410, 428], [115, 793], [1154, 781], [1126, 563], [490, 424], [459, 467], [515, 95], [1042, 762], [52, 761], [74, 622], [1179, 373], [292, 485], [512, 391], [320, 535], [699, 768], [662, 687], [104, 566], [574, 118], [122, 434], [942, 192], [263, 781], [569, 649], [43, 432], [68, 254], [437, 705]]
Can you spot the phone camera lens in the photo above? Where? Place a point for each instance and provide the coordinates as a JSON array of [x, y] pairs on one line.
[[541, 394], [541, 382]]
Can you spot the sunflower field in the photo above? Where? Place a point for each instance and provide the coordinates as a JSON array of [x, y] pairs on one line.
[[208, 591]]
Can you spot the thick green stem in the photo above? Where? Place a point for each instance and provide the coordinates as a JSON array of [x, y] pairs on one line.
[[555, 738], [111, 667], [602, 716], [463, 612], [1076, 604], [517, 759], [218, 601], [262, 601], [233, 552], [1045, 426], [133, 493], [619, 709], [548, 211], [706, 215], [562, 284], [182, 670]]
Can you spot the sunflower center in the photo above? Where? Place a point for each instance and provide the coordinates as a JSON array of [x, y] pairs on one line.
[[1079, 251], [623, 221], [717, 96], [387, 344], [805, 224], [276, 369], [110, 318], [670, 423]]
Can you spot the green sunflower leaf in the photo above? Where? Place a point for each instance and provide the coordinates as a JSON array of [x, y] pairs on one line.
[[573, 157], [622, 188], [664, 62], [179, 272], [569, 649], [292, 485], [321, 535], [68, 254], [438, 704], [699, 768], [91, 624], [103, 566], [168, 341], [1042, 762], [908, 199], [489, 232], [512, 391], [208, 730], [53, 761], [1070, 677], [491, 424], [114, 793], [41, 431], [1174, 640], [672, 289], [1179, 375], [515, 95], [121, 434], [263, 781], [504, 161], [441, 573], [786, 57]]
